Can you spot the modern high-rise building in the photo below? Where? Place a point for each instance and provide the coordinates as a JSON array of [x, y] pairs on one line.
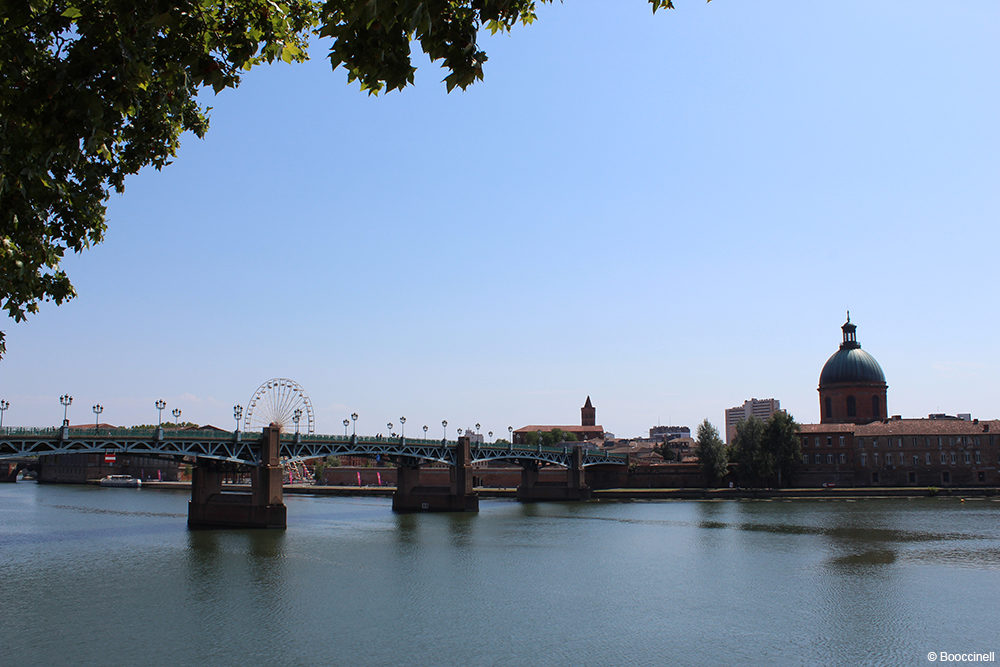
[[760, 408]]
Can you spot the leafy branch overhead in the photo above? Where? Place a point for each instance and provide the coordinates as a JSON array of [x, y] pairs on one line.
[[92, 91]]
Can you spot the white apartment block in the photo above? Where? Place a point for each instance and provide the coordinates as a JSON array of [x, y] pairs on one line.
[[760, 408]]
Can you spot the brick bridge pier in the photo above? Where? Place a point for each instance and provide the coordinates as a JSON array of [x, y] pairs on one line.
[[263, 507], [458, 496], [575, 488]]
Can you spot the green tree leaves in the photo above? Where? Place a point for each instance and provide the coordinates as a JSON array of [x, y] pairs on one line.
[[766, 453], [551, 438], [712, 454], [92, 91]]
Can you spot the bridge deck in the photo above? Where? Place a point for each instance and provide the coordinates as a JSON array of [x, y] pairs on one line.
[[244, 447]]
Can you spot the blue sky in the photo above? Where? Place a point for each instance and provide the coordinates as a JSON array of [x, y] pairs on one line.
[[669, 213]]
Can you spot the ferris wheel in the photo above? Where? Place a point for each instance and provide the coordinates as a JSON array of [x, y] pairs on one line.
[[281, 401]]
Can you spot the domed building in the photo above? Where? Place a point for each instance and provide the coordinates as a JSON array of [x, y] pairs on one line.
[[852, 388]]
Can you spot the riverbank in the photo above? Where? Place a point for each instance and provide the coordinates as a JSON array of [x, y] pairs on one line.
[[647, 494]]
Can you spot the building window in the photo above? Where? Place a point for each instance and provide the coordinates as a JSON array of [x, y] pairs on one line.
[[916, 460], [829, 441], [914, 442], [875, 410], [841, 441], [954, 458], [978, 459], [927, 441], [828, 405], [927, 459], [864, 459], [805, 442], [899, 442], [939, 442], [968, 458], [875, 442], [818, 458], [875, 458], [944, 458], [816, 441], [861, 443], [805, 459], [829, 458], [843, 457], [852, 407], [888, 459]]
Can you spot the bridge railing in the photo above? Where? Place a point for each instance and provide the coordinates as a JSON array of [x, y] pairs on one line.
[[28, 430]]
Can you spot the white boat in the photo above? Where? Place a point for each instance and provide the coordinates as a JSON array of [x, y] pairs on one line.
[[126, 481]]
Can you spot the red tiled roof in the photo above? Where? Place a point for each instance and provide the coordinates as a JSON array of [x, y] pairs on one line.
[[908, 427], [827, 428], [545, 428]]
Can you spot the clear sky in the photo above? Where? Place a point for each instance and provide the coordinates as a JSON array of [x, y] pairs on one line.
[[669, 213]]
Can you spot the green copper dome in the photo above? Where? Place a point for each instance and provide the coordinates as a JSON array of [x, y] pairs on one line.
[[850, 363]]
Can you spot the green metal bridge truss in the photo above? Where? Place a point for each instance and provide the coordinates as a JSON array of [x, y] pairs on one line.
[[244, 448]]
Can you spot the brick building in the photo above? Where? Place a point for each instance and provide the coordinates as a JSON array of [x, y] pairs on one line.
[[852, 388], [855, 444], [587, 430]]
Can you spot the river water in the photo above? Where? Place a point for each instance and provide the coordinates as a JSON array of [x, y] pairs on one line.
[[101, 576]]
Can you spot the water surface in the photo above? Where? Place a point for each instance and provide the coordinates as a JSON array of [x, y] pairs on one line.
[[97, 576]]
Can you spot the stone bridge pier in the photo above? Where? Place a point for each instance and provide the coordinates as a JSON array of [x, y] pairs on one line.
[[575, 488], [458, 496], [263, 507]]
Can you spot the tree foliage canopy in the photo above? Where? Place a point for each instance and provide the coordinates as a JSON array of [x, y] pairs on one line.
[[92, 91], [550, 438], [766, 453], [711, 452]]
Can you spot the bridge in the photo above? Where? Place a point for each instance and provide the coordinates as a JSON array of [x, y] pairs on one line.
[[213, 451]]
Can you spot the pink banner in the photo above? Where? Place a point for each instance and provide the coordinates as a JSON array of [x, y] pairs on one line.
[[379, 475], [359, 478]]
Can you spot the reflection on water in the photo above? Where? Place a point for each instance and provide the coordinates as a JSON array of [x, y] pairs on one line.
[[641, 583], [872, 557]]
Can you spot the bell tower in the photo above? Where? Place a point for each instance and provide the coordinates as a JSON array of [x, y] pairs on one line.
[[588, 414]]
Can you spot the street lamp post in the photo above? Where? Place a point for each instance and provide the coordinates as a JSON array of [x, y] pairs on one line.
[[389, 431], [444, 427], [98, 409], [354, 428], [4, 405], [402, 428], [347, 422], [66, 401], [237, 415], [490, 434], [510, 432], [425, 431], [160, 404], [477, 428], [296, 416], [176, 412]]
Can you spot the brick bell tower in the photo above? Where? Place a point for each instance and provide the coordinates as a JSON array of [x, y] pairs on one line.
[[588, 414]]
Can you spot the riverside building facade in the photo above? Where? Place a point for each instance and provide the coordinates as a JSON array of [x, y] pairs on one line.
[[857, 444]]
